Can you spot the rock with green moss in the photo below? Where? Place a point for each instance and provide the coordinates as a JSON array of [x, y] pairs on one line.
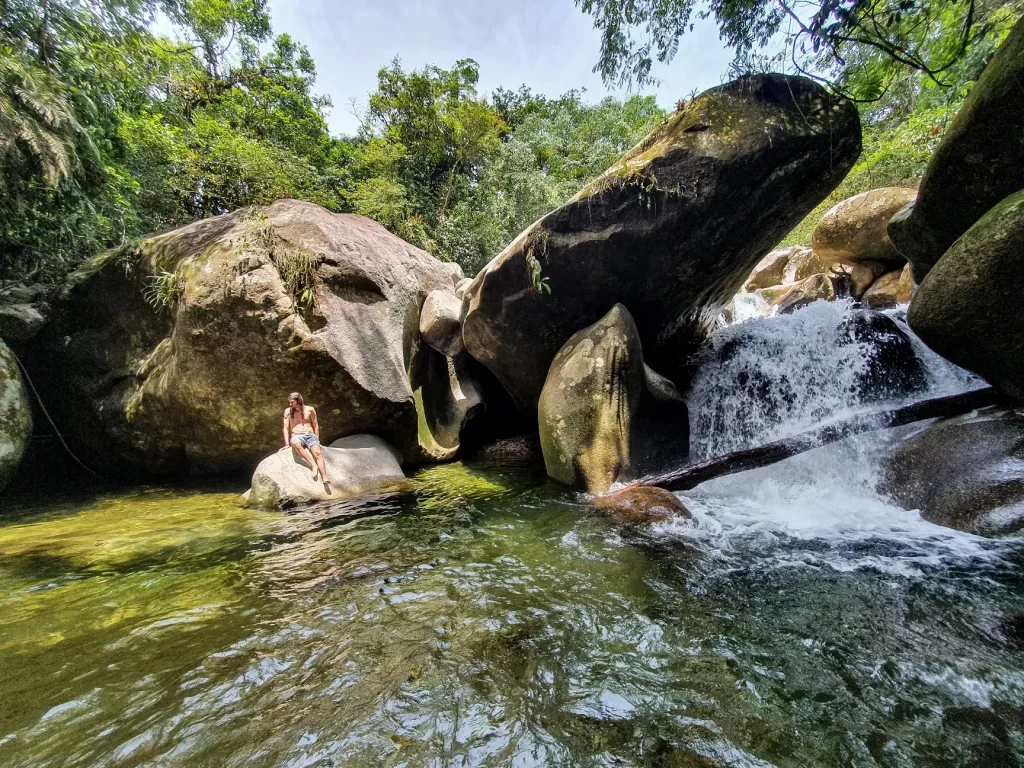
[[604, 416], [979, 161], [965, 472], [967, 309], [177, 356], [15, 416], [671, 231]]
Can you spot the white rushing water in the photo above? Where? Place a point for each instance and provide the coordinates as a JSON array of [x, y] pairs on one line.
[[779, 376]]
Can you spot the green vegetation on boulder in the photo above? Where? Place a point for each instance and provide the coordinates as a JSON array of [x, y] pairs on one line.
[[979, 162], [968, 307]]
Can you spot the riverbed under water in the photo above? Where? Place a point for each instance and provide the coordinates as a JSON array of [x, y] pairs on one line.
[[491, 617]]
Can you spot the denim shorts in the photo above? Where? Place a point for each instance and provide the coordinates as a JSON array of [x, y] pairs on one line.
[[308, 439]]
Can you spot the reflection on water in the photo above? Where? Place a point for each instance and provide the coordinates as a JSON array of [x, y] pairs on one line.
[[491, 618]]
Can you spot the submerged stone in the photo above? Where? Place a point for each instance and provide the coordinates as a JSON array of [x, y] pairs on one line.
[[641, 504], [671, 231]]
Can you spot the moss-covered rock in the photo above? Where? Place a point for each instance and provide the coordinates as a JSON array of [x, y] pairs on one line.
[[15, 416], [177, 357], [671, 231], [604, 416], [979, 161], [966, 472], [967, 309]]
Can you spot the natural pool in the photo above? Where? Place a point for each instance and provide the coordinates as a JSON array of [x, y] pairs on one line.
[[494, 618]]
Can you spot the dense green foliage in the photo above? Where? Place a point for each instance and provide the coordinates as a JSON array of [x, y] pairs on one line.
[[108, 132]]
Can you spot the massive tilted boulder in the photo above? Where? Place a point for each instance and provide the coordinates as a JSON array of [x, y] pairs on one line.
[[854, 230], [979, 161], [178, 357], [671, 231], [604, 416], [966, 472], [15, 416], [356, 465], [968, 307]]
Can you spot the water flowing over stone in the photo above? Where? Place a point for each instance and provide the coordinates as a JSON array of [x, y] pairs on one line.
[[254, 304], [660, 231]]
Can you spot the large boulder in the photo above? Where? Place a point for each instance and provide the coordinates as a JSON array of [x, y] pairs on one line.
[[356, 465], [979, 161], [966, 308], [965, 472], [604, 416], [864, 274], [15, 416], [890, 290], [854, 230], [789, 298], [671, 231], [441, 323], [177, 357]]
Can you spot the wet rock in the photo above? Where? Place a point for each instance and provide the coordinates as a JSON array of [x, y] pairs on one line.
[[357, 465], [440, 323], [657, 231], [892, 369], [20, 323], [15, 416], [979, 161], [967, 309], [864, 274], [517, 448], [448, 397], [789, 298], [966, 472], [771, 269], [176, 358], [641, 504], [890, 290], [603, 417], [805, 263], [855, 229]]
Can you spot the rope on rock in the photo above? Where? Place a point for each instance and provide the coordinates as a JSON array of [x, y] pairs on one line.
[[28, 380]]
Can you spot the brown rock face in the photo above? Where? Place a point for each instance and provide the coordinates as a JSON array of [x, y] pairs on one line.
[[968, 307], [604, 417], [864, 274], [854, 230], [979, 161], [641, 504], [789, 298], [890, 290], [658, 231], [242, 309]]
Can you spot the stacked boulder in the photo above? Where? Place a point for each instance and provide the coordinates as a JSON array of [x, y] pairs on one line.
[[176, 357], [964, 237]]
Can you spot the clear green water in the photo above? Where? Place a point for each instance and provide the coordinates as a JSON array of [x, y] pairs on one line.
[[492, 618]]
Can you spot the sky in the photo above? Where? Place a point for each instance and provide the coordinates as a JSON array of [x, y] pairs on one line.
[[549, 45]]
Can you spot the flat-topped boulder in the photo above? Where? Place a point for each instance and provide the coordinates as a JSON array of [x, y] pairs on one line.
[[176, 357], [356, 465], [671, 231]]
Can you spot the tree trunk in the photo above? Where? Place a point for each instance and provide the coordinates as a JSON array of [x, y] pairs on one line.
[[739, 461]]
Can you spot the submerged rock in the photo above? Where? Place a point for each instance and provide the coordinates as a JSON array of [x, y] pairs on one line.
[[979, 161], [357, 464], [967, 309], [604, 417], [15, 416], [855, 230], [177, 358], [641, 504], [966, 472], [658, 231]]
